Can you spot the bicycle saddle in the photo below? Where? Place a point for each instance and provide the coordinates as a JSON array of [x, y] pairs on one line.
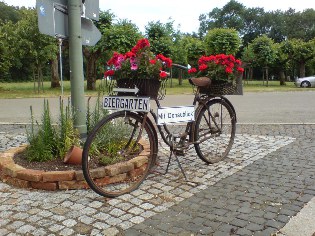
[[200, 82]]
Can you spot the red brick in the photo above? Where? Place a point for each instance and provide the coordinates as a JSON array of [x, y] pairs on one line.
[[11, 169], [73, 185], [5, 159], [138, 171], [44, 186], [79, 175], [118, 178], [119, 168], [55, 176], [17, 182], [139, 161], [30, 175], [17, 150]]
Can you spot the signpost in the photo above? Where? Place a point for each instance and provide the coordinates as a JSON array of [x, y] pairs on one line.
[[53, 20], [67, 19]]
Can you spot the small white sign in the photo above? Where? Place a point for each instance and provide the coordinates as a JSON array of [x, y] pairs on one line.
[[128, 90], [128, 103], [168, 115]]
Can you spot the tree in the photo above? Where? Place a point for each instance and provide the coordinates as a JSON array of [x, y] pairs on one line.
[[224, 41], [300, 52], [37, 48], [120, 36], [9, 13], [302, 24], [161, 37], [195, 48], [26, 49], [265, 55]]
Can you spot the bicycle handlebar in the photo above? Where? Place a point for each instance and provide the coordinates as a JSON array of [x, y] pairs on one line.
[[180, 66]]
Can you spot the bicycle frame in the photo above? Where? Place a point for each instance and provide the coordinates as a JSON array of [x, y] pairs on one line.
[[202, 101]]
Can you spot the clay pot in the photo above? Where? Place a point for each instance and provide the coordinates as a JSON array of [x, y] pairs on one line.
[[73, 156]]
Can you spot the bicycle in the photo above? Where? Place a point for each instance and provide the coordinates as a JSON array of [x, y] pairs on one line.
[[122, 148]]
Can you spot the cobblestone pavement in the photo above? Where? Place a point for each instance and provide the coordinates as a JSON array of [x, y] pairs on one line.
[[267, 179]]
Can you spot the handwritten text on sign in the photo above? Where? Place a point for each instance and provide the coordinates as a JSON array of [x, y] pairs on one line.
[[168, 115], [126, 103]]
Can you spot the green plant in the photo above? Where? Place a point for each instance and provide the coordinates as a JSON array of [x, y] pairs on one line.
[[67, 134], [42, 143], [139, 63], [96, 113]]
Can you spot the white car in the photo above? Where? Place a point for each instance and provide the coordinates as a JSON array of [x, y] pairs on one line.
[[305, 82]]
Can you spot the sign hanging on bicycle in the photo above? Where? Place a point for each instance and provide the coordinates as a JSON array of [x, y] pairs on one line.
[[127, 103], [167, 115]]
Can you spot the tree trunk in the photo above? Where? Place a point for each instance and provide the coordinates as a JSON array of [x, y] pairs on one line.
[[91, 58], [91, 73], [282, 78], [302, 69], [54, 74]]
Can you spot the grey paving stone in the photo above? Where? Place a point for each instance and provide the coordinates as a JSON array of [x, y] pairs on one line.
[[259, 186]]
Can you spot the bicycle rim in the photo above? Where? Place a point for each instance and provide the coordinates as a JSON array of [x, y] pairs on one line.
[[214, 131], [118, 154]]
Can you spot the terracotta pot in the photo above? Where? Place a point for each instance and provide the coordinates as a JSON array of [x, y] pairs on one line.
[[73, 156]]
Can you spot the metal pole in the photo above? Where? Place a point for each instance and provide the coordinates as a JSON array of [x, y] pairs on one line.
[[60, 65], [76, 66]]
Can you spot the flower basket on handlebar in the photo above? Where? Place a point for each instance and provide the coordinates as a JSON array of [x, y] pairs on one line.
[[219, 87], [225, 72], [139, 67]]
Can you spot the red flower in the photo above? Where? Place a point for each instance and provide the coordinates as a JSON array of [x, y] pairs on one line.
[[109, 73], [130, 54], [229, 70], [152, 61], [240, 69], [163, 74], [203, 67], [192, 70]]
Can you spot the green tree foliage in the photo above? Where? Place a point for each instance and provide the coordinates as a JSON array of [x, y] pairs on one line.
[[254, 22], [24, 47], [8, 13], [300, 52], [221, 40], [195, 48], [160, 37], [263, 50]]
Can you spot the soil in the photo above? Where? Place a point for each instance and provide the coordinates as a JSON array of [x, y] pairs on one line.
[[53, 165]]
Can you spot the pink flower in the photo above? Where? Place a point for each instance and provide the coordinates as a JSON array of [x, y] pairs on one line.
[[133, 63]]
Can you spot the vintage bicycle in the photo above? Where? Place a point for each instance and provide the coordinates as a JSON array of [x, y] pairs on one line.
[[122, 148]]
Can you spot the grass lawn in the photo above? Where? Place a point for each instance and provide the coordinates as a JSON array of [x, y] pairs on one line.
[[28, 90]]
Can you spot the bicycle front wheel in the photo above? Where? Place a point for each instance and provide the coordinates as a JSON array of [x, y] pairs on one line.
[[214, 131], [118, 154]]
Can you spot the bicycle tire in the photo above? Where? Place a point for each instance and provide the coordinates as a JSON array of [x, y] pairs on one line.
[[214, 131], [117, 157]]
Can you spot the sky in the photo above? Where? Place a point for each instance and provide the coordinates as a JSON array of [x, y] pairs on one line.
[[185, 16]]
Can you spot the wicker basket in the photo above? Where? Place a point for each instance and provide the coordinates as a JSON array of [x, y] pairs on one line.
[[147, 87], [222, 88]]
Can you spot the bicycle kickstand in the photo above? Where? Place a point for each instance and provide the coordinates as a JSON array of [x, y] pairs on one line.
[[178, 162]]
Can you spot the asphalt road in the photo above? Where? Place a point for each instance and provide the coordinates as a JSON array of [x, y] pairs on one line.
[[270, 107]]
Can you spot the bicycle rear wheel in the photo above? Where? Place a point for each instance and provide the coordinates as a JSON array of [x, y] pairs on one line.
[[214, 131], [118, 154]]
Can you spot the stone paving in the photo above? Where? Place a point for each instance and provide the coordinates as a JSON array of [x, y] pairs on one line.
[[267, 179]]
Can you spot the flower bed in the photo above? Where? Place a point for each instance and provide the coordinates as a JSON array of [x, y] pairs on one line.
[[18, 176]]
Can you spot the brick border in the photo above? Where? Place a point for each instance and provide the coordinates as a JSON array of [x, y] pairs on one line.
[[18, 176]]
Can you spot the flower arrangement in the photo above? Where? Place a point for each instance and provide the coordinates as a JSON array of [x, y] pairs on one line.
[[219, 67], [139, 63]]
